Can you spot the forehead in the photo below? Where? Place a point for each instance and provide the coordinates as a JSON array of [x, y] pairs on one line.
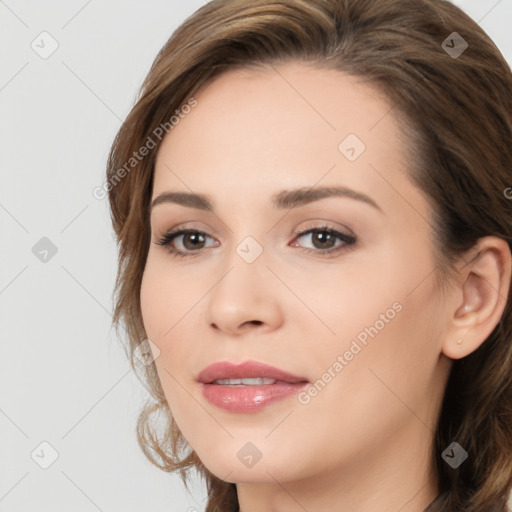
[[282, 127]]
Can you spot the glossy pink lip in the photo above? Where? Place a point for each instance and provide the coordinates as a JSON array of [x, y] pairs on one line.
[[245, 370], [247, 399]]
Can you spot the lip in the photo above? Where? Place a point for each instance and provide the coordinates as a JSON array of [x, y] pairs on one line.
[[247, 399], [245, 370]]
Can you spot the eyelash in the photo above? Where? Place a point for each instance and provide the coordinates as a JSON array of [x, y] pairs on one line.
[[347, 240]]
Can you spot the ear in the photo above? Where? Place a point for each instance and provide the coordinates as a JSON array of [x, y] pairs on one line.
[[485, 283]]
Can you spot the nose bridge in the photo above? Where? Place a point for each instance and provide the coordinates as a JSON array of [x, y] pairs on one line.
[[248, 234], [246, 272]]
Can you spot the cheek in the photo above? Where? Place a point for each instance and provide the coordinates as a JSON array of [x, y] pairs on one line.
[[160, 313], [385, 331], [165, 298], [343, 304], [168, 305], [151, 296]]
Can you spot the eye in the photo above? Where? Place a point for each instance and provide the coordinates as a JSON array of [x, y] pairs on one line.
[[191, 241], [323, 240]]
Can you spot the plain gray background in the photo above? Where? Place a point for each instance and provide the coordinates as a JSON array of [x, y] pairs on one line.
[[64, 379]]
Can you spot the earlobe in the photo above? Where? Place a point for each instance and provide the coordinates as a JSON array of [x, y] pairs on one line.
[[485, 287]]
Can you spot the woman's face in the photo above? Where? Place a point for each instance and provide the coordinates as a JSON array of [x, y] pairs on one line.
[[357, 315]]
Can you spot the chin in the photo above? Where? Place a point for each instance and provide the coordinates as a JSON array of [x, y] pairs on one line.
[[240, 462]]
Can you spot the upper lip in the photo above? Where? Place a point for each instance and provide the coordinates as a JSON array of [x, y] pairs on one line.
[[245, 370]]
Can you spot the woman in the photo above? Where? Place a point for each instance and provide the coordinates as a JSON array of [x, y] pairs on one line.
[[310, 200]]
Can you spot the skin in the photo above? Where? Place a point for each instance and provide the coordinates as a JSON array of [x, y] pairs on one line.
[[363, 443]]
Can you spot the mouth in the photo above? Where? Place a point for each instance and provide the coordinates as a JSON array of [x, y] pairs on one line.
[[246, 382], [247, 387], [248, 373]]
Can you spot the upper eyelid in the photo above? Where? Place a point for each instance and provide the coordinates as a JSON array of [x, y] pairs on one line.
[[180, 229], [318, 223]]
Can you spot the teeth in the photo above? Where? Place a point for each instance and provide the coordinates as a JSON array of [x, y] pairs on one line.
[[244, 382]]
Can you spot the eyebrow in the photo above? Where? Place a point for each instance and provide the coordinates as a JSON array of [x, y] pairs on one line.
[[282, 200]]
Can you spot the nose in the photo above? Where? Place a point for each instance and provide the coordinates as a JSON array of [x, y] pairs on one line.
[[245, 299]]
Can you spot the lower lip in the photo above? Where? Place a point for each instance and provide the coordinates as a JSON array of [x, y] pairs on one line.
[[247, 399]]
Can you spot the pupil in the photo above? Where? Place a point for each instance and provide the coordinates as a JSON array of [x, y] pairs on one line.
[[324, 238], [191, 237]]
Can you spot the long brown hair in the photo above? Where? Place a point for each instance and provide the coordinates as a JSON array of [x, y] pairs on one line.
[[456, 112]]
